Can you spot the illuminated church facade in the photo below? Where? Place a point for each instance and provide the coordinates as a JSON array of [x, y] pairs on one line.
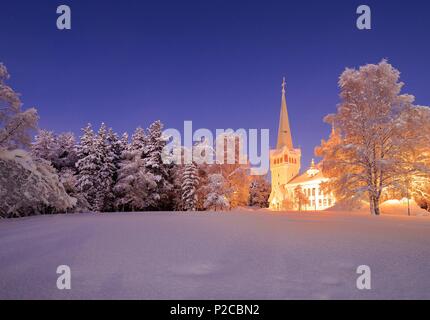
[[290, 189]]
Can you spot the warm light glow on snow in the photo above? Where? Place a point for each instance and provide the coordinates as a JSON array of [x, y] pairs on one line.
[[392, 201]]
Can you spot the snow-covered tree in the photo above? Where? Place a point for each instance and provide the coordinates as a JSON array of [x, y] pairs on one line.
[[422, 196], [217, 192], [230, 163], [70, 180], [138, 141], [59, 150], [361, 156], [66, 156], [96, 167], [135, 185], [190, 182], [87, 166], [153, 162], [124, 142], [259, 192], [105, 154], [30, 186], [201, 189], [15, 124], [117, 147], [44, 145], [176, 191], [413, 162]]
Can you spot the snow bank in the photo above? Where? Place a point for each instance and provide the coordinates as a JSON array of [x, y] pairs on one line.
[[390, 207]]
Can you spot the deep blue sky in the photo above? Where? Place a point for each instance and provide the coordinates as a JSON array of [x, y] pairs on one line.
[[218, 63]]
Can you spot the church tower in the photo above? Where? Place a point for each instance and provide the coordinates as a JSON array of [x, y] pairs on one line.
[[284, 132], [285, 159]]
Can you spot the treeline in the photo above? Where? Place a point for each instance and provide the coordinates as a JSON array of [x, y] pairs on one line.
[[105, 172]]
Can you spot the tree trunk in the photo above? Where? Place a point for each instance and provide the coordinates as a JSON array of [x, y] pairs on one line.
[[374, 205]]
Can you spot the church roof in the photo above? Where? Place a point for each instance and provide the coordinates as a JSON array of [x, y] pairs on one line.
[[284, 131], [312, 174]]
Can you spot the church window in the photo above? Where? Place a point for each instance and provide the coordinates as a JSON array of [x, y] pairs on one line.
[[329, 202], [319, 202], [313, 191], [285, 158], [325, 202]]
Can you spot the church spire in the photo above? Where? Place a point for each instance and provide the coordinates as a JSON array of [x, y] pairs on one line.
[[284, 132]]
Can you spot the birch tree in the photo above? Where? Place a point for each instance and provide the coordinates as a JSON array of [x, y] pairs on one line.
[[361, 158], [15, 124]]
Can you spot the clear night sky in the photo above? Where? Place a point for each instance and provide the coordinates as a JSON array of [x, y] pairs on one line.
[[217, 63]]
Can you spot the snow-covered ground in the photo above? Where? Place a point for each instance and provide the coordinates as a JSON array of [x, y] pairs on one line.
[[244, 255]]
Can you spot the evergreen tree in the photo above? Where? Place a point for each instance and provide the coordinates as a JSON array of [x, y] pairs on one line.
[[65, 155], [176, 192], [117, 147], [44, 145], [87, 166], [106, 171], [217, 193], [69, 180], [190, 182], [135, 184], [138, 141], [259, 192], [124, 142], [59, 150], [154, 165]]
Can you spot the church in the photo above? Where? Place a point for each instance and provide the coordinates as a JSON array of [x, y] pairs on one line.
[[290, 189]]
